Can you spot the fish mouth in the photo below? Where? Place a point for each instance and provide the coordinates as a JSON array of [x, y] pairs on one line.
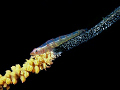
[[32, 53]]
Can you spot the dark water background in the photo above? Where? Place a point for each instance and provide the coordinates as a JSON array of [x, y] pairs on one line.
[[26, 25]]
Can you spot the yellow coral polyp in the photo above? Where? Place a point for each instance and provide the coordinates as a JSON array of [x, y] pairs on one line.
[[37, 69], [41, 68], [34, 65], [26, 74], [5, 85], [8, 73], [22, 79], [36, 62], [8, 80], [29, 68], [13, 74], [13, 68], [3, 78], [18, 66], [44, 65], [30, 61], [1, 81], [14, 81]]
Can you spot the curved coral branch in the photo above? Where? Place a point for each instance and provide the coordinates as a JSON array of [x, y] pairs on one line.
[[34, 65]]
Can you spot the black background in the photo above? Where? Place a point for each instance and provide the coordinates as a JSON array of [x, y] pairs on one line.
[[26, 25]]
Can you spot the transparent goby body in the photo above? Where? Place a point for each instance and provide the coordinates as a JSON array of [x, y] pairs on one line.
[[53, 43], [67, 42], [88, 34]]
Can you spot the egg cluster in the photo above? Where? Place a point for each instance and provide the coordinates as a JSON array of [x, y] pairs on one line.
[[34, 65]]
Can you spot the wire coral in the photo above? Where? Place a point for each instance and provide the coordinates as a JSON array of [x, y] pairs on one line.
[[34, 65], [43, 55]]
